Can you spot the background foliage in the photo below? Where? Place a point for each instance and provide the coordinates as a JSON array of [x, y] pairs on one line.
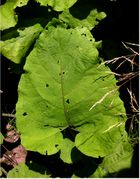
[[82, 131]]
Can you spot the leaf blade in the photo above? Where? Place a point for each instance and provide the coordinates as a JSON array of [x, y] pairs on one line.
[[64, 58]]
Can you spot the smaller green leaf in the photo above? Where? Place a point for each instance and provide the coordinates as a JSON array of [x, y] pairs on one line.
[[2, 171], [57, 5], [66, 148], [90, 21], [8, 17], [20, 3], [16, 48], [1, 138], [22, 171], [74, 176], [56, 23]]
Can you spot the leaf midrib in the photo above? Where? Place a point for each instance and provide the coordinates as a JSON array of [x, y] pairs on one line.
[[63, 98]]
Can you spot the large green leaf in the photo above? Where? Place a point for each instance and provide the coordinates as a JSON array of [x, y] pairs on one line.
[[8, 17], [58, 5], [22, 171], [64, 86], [16, 48]]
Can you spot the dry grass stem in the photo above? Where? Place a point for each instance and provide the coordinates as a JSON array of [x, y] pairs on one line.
[[133, 101], [102, 99], [8, 115]]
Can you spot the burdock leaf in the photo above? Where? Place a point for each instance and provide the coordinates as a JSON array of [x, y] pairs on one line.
[[57, 5], [23, 171], [90, 21], [64, 86], [16, 48], [8, 17]]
